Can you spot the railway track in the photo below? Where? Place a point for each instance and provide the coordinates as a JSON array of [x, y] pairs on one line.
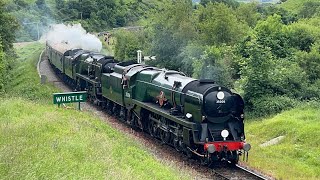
[[237, 172], [163, 153], [255, 174]]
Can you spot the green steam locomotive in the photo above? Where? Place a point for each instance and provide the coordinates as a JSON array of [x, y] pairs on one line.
[[197, 117]]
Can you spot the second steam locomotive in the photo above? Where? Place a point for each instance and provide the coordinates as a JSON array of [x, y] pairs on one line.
[[198, 117]]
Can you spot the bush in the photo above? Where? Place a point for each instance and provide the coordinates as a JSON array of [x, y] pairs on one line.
[[215, 63], [269, 105], [310, 62], [312, 91], [191, 59], [3, 67], [127, 44]]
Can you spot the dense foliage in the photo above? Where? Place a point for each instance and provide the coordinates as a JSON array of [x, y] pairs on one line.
[[269, 54], [7, 37], [36, 16], [128, 44], [99, 15], [94, 15], [2, 67], [7, 28]]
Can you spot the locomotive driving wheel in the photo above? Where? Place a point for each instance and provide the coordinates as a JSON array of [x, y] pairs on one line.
[[177, 144], [165, 136], [152, 127], [133, 120]]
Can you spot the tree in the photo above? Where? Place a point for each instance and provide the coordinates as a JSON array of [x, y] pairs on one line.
[[270, 84], [189, 55], [301, 36], [219, 25], [255, 70], [286, 16], [40, 3], [86, 8], [7, 36], [310, 62], [127, 45], [248, 12], [3, 67], [272, 33], [215, 64], [171, 30], [309, 9], [230, 3], [8, 27], [60, 4]]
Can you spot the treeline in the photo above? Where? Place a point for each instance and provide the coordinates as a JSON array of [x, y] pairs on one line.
[[36, 16], [33, 17], [99, 15], [269, 54], [7, 37]]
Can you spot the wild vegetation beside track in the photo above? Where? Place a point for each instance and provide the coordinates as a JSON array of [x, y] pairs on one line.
[[297, 156], [23, 77], [39, 140]]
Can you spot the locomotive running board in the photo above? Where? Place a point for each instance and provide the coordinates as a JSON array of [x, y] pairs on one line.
[[86, 78], [165, 113]]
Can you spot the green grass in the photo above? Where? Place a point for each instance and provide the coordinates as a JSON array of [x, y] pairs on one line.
[[43, 141], [38, 140], [24, 80], [298, 155]]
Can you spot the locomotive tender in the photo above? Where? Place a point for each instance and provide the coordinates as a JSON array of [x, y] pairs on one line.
[[197, 117]]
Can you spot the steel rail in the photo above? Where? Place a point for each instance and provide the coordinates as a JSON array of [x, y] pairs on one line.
[[220, 176], [251, 172]]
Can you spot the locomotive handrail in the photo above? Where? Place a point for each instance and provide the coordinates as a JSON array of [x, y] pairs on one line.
[[130, 73], [172, 72]]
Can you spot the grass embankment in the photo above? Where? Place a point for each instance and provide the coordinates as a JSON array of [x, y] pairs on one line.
[[24, 79], [41, 141], [297, 156]]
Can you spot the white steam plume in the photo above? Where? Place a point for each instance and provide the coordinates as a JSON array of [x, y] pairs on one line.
[[73, 36]]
